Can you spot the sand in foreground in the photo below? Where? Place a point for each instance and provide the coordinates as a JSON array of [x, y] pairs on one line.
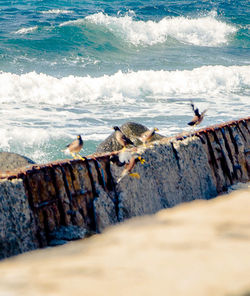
[[198, 248]]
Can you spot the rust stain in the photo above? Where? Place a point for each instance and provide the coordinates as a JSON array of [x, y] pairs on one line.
[[63, 200], [210, 154], [226, 164], [230, 146], [241, 157], [215, 151]]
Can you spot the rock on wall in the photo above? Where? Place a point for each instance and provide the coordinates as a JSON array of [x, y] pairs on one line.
[[10, 161], [16, 220]]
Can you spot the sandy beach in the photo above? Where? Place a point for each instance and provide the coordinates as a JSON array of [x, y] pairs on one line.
[[197, 248]]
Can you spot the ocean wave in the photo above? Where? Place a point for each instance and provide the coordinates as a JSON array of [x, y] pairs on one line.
[[26, 30], [124, 88], [73, 22], [201, 31]]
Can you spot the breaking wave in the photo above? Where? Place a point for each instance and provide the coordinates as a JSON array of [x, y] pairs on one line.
[[24, 31], [121, 87], [202, 31]]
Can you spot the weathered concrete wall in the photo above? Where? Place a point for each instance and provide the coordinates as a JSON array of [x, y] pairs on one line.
[[83, 196], [16, 220], [228, 150], [174, 172]]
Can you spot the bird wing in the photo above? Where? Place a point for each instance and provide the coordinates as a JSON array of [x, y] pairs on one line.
[[203, 113], [127, 140], [72, 144], [196, 110], [192, 105]]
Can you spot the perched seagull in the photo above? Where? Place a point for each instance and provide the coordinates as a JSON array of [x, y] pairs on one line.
[[127, 159], [198, 117], [147, 136], [74, 148], [121, 138]]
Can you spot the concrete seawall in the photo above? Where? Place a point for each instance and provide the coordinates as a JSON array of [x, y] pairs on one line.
[[66, 200]]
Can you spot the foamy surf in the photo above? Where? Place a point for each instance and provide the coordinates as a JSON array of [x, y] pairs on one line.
[[40, 114], [44, 144], [123, 88], [24, 31], [201, 31], [56, 11]]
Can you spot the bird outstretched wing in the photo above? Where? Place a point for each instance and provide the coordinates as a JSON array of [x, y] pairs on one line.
[[127, 140], [196, 110]]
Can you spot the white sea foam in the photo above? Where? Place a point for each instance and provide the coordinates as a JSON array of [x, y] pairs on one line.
[[201, 31], [32, 142], [56, 11], [26, 30], [73, 22], [38, 112], [124, 88]]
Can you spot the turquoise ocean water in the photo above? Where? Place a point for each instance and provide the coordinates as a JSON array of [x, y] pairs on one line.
[[80, 67]]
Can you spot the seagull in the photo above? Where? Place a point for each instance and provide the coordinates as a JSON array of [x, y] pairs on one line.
[[121, 138], [198, 117], [74, 148], [147, 136]]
